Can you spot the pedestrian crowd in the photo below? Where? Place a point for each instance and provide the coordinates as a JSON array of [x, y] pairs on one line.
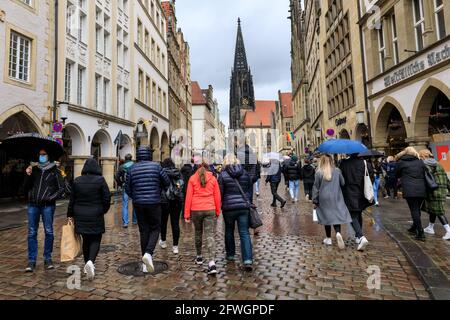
[[340, 190]]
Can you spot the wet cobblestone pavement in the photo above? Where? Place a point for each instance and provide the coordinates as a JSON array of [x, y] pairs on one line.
[[290, 263]]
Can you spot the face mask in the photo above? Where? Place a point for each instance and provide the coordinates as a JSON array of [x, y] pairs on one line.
[[43, 158]]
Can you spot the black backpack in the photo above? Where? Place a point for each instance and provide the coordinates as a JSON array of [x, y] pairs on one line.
[[175, 190]]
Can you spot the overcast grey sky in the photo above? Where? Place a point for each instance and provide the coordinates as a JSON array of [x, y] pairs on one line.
[[210, 27]]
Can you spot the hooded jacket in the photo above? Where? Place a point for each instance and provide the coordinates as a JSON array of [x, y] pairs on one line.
[[146, 179], [44, 186], [411, 171], [275, 177], [90, 200], [232, 198], [200, 198]]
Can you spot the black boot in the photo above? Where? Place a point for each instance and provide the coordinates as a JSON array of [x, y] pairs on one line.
[[420, 235], [274, 205], [412, 230]]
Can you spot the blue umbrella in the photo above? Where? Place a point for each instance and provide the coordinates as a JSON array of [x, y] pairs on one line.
[[342, 146]]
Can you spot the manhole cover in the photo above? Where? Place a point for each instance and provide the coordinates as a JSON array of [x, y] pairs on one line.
[[108, 248], [135, 268]]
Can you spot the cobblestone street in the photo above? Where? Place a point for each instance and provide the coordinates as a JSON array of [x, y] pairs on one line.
[[290, 263]]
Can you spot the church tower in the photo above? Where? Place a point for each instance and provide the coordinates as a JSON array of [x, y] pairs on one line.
[[242, 95]]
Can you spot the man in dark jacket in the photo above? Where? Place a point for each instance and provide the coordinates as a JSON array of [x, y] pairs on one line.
[[235, 208], [44, 185], [120, 178], [308, 175], [292, 171], [274, 178], [353, 170], [90, 200], [249, 161], [411, 170], [144, 184]]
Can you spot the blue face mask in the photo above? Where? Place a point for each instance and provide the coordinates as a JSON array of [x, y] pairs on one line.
[[43, 159]]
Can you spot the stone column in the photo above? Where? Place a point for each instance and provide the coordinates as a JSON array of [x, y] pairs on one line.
[[78, 163], [108, 166], [429, 35], [419, 143]]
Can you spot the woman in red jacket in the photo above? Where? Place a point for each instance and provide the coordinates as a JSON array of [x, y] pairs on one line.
[[203, 207]]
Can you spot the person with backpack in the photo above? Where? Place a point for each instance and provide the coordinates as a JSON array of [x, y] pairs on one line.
[[308, 175], [293, 173], [120, 178], [274, 178], [171, 201], [435, 201], [90, 200], [145, 181], [203, 208]]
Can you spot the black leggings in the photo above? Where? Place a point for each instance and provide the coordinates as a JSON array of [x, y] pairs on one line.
[[337, 228], [275, 195], [91, 246], [414, 206], [172, 209], [149, 223], [308, 189], [442, 219]]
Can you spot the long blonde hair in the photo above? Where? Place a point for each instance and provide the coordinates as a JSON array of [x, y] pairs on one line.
[[326, 166], [409, 151]]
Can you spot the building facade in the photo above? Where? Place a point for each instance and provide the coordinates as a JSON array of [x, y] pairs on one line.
[[407, 47], [26, 78], [180, 100], [286, 123]]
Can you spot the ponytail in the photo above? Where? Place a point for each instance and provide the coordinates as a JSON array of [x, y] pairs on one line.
[[202, 174]]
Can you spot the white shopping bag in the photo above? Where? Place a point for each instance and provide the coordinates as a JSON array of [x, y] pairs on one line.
[[315, 218]]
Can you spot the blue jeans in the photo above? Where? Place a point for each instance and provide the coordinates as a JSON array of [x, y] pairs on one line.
[[376, 186], [125, 202], [294, 187], [34, 215], [242, 219], [257, 186]]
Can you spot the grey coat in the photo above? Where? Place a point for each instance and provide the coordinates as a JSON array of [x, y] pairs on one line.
[[328, 197]]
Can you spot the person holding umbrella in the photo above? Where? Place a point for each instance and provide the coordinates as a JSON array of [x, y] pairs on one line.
[[44, 185]]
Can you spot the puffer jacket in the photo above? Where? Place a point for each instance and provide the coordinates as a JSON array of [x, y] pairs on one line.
[[146, 180], [200, 198], [44, 186], [90, 200], [411, 171], [308, 173], [232, 198], [292, 170]]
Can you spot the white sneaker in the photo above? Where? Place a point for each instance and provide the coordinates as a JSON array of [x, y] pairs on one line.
[[307, 198], [148, 261], [144, 268], [328, 242], [296, 200], [357, 240], [447, 236], [429, 230], [340, 241], [377, 204], [89, 269], [163, 244], [175, 250], [363, 244]]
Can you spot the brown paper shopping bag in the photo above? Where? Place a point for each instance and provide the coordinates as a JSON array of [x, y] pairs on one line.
[[70, 243]]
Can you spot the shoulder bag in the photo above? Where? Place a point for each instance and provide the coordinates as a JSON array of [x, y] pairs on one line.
[[254, 219], [368, 186], [430, 181]]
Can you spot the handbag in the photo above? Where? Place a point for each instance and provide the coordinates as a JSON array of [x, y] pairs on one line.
[[430, 181], [70, 243], [254, 219], [315, 217], [368, 186]]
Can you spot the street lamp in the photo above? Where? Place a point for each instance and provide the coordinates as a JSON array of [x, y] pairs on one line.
[[318, 133], [360, 117], [63, 111]]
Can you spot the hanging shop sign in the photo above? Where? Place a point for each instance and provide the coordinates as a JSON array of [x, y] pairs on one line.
[[341, 121]]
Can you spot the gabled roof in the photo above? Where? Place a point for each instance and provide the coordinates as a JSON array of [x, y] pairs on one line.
[[198, 97], [262, 115], [286, 105]]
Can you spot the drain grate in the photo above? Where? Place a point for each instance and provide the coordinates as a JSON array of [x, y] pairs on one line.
[[135, 268], [108, 248]]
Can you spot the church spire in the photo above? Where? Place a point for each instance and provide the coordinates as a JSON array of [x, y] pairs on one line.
[[240, 58]]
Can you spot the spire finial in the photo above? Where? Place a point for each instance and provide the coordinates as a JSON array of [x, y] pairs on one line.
[[239, 21]]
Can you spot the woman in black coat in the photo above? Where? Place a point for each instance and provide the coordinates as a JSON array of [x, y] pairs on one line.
[[411, 170], [89, 202]]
